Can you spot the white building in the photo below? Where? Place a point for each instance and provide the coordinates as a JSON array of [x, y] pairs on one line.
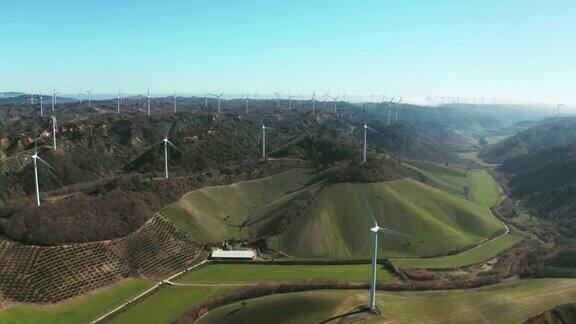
[[220, 254]]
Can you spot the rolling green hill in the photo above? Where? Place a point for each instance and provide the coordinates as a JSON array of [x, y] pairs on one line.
[[512, 302], [301, 214], [336, 224]]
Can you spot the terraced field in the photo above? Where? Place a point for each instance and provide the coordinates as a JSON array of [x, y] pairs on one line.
[[504, 303]]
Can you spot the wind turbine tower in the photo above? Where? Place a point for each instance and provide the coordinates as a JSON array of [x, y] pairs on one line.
[[246, 103], [89, 93], [41, 107], [166, 143], [398, 105], [37, 158], [264, 128], [174, 98], [148, 100], [289, 101], [277, 99], [374, 231], [118, 103], [54, 131], [558, 104], [335, 103], [218, 96], [313, 103]]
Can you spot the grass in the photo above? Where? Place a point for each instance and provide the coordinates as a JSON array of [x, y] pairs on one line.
[[80, 310], [477, 255], [241, 273], [167, 304], [336, 224], [504, 303], [495, 138], [218, 213], [450, 178], [484, 190]]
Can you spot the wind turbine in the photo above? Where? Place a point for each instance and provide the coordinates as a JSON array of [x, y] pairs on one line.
[[335, 102], [218, 96], [246, 102], [558, 104], [277, 99], [324, 99], [35, 159], [118, 104], [313, 103], [374, 230], [54, 99], [89, 93], [289, 101], [205, 99], [366, 128], [148, 98], [174, 97], [41, 106], [32, 98], [166, 143], [54, 131], [398, 105], [264, 128], [390, 109]]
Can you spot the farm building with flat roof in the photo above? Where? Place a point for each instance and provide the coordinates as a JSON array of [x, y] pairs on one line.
[[219, 254]]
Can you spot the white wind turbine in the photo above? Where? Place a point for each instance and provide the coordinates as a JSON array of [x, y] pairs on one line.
[[245, 103], [398, 105], [313, 103], [366, 128], [558, 105], [324, 99], [54, 131], [174, 98], [374, 230], [89, 93], [118, 103], [54, 99], [218, 96], [264, 128], [335, 102], [277, 99], [148, 99], [289, 100], [41, 105], [205, 99], [166, 143], [32, 98], [390, 109]]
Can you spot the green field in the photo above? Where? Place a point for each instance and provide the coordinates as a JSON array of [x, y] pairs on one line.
[[167, 304], [336, 224], [222, 212], [450, 178], [240, 273], [477, 255], [504, 303], [81, 310], [484, 190]]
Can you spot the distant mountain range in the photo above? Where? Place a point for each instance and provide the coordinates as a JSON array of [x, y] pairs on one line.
[[11, 94]]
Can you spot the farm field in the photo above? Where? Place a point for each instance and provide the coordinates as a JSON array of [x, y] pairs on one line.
[[167, 304], [503, 303], [484, 190], [81, 310], [480, 254], [240, 273]]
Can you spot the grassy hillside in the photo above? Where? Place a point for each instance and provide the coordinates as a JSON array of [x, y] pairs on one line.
[[336, 224], [480, 254], [451, 178], [484, 190], [83, 310], [504, 303], [220, 213]]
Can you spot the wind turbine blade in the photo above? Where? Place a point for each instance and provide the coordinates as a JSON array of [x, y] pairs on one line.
[[369, 208], [372, 129], [394, 232], [174, 146], [46, 163]]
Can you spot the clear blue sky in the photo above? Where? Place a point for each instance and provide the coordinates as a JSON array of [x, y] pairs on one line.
[[514, 49]]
